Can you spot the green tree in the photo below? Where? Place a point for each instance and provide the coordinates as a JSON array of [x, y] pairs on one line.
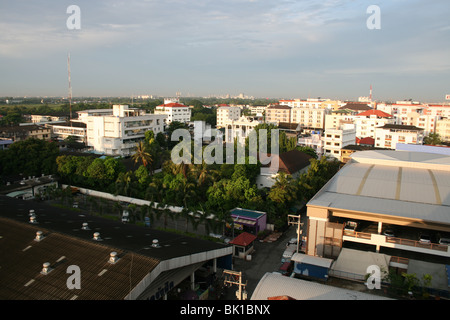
[[142, 155], [432, 139]]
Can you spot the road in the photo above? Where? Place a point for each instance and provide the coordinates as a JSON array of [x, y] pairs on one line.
[[266, 258]]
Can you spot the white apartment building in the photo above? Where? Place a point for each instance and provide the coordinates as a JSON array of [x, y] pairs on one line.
[[239, 129], [227, 113], [258, 110], [338, 118], [389, 135], [313, 140], [116, 132], [366, 122], [174, 111], [335, 139]]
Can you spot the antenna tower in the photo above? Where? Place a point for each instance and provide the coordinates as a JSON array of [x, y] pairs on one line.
[[70, 89]]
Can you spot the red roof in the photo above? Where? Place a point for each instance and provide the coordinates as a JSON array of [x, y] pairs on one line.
[[174, 105], [366, 141], [244, 239], [372, 112]]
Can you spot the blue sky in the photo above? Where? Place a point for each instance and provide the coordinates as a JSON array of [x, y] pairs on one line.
[[262, 48]]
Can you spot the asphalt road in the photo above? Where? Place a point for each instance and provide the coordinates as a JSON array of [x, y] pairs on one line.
[[266, 258]]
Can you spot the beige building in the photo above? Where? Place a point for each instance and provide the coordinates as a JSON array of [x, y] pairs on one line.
[[226, 114], [443, 129], [22, 132], [278, 113], [384, 200]]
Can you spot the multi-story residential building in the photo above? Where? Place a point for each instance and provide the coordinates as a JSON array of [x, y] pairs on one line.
[[367, 121], [389, 135], [258, 110], [313, 103], [310, 119], [335, 139], [443, 129], [313, 140], [174, 111], [338, 118], [278, 113], [22, 132], [117, 131], [226, 113], [45, 118], [239, 129]]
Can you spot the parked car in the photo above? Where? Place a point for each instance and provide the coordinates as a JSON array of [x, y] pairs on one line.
[[389, 233], [125, 216], [445, 241], [424, 238], [350, 226], [292, 241]]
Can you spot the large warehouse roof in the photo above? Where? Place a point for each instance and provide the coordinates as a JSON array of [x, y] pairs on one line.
[[66, 243], [412, 185]]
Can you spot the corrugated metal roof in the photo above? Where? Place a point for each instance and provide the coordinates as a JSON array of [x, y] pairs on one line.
[[406, 191], [23, 258], [273, 284]]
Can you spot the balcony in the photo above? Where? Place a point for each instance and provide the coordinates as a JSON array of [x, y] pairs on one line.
[[397, 243]]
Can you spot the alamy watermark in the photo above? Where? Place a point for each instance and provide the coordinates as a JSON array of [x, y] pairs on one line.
[[374, 21], [73, 22], [374, 277]]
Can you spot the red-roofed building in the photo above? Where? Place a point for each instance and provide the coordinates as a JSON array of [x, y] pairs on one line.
[[175, 112], [368, 120], [243, 245]]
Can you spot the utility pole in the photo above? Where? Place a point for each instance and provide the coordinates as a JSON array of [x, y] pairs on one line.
[[70, 89], [295, 220], [235, 278]]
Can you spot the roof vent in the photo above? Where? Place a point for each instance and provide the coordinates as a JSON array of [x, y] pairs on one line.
[[85, 226], [46, 268], [113, 258], [39, 236], [33, 220], [97, 236], [155, 243]]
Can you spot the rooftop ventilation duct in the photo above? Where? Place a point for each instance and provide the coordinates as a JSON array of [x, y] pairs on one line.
[[46, 268], [39, 236], [97, 236], [85, 226], [113, 258]]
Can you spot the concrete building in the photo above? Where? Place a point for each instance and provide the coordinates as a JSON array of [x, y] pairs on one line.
[[386, 201], [366, 122], [174, 111], [443, 129], [389, 135], [239, 129], [313, 140], [116, 132], [227, 114], [22, 132], [310, 119], [78, 130], [278, 113], [335, 139]]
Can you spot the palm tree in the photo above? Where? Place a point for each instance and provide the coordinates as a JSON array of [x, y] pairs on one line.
[[142, 155]]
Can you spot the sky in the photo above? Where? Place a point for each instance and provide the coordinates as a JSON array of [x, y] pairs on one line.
[[263, 48]]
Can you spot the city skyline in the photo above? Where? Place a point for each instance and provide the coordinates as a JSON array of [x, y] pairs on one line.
[[286, 49]]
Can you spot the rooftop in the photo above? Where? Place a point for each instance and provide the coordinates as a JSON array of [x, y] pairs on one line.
[[64, 236], [411, 185]]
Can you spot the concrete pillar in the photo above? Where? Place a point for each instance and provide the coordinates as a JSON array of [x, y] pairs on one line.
[[193, 280], [215, 265], [380, 227]]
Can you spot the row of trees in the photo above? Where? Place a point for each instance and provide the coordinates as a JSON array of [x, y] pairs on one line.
[[210, 188]]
